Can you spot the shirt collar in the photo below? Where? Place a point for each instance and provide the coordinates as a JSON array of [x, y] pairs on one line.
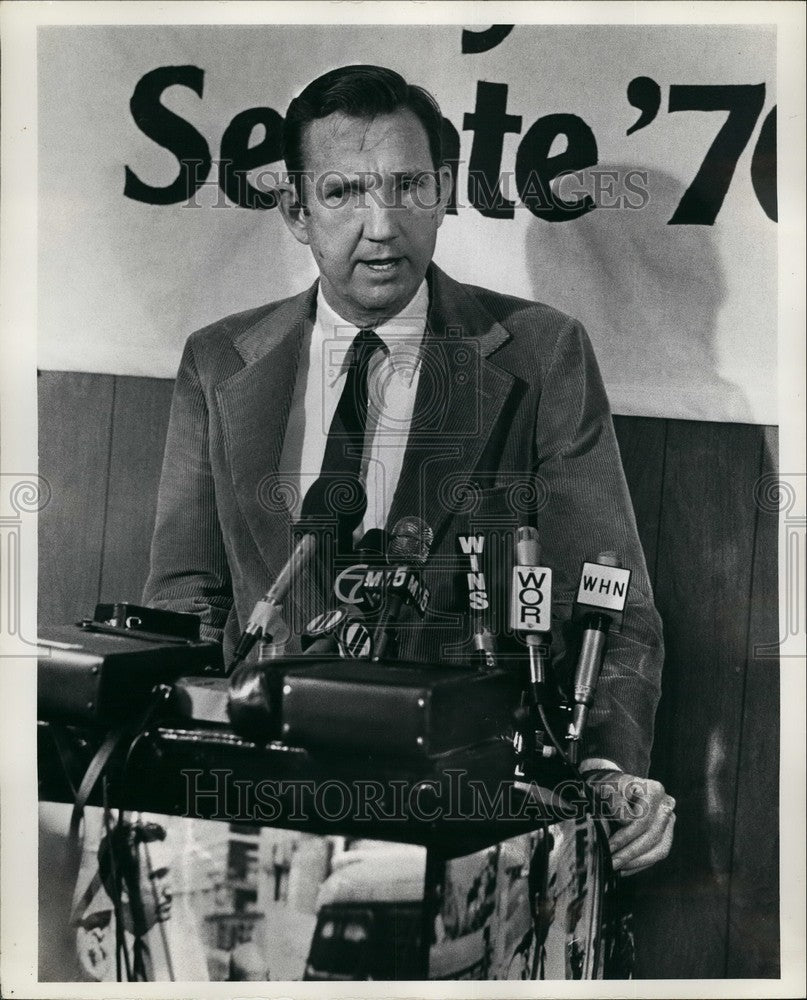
[[402, 334]]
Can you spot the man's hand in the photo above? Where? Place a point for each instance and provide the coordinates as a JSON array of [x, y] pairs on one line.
[[641, 815]]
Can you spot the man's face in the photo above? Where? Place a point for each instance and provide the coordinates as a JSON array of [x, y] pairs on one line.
[[154, 888], [155, 891], [371, 207]]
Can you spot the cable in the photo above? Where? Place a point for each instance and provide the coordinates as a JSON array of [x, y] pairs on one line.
[[161, 925], [160, 693], [554, 740], [116, 886]]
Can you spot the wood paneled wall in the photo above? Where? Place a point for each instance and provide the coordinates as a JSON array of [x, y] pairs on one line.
[[712, 908]]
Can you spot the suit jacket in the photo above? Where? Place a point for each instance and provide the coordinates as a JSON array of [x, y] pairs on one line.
[[511, 426]]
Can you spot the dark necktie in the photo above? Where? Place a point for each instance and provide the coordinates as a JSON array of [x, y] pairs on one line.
[[343, 451], [344, 447]]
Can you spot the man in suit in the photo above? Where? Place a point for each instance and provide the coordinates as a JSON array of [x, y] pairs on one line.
[[478, 409], [132, 868]]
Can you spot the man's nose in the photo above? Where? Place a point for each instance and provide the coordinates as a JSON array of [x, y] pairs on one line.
[[379, 219]]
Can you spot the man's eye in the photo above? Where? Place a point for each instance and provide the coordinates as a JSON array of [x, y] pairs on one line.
[[416, 186], [334, 194]]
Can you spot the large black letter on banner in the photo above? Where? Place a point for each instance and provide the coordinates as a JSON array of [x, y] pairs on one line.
[[763, 166], [171, 132], [704, 196], [451, 158], [489, 123], [474, 42], [238, 157], [534, 164]]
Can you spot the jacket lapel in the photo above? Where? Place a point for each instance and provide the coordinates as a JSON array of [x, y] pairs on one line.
[[459, 399], [254, 405]]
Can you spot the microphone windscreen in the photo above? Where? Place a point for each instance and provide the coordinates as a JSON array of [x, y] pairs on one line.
[[410, 541]]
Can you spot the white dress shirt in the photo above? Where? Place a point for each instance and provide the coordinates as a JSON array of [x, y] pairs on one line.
[[392, 387]]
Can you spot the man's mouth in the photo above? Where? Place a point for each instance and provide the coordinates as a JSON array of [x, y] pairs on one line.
[[383, 265]]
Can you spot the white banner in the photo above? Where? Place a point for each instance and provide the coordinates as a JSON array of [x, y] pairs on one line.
[[624, 174]]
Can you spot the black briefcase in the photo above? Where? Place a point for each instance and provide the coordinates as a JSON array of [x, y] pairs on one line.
[[354, 706]]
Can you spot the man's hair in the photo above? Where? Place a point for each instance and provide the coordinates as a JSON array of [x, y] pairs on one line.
[[124, 840], [361, 92]]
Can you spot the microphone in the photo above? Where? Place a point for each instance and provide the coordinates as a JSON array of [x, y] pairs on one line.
[[484, 648], [354, 634], [266, 619], [319, 638], [603, 589], [409, 547], [356, 603], [354, 639], [531, 606], [483, 639], [349, 586]]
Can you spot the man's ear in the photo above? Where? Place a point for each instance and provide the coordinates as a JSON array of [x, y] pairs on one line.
[[291, 208], [446, 180]]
